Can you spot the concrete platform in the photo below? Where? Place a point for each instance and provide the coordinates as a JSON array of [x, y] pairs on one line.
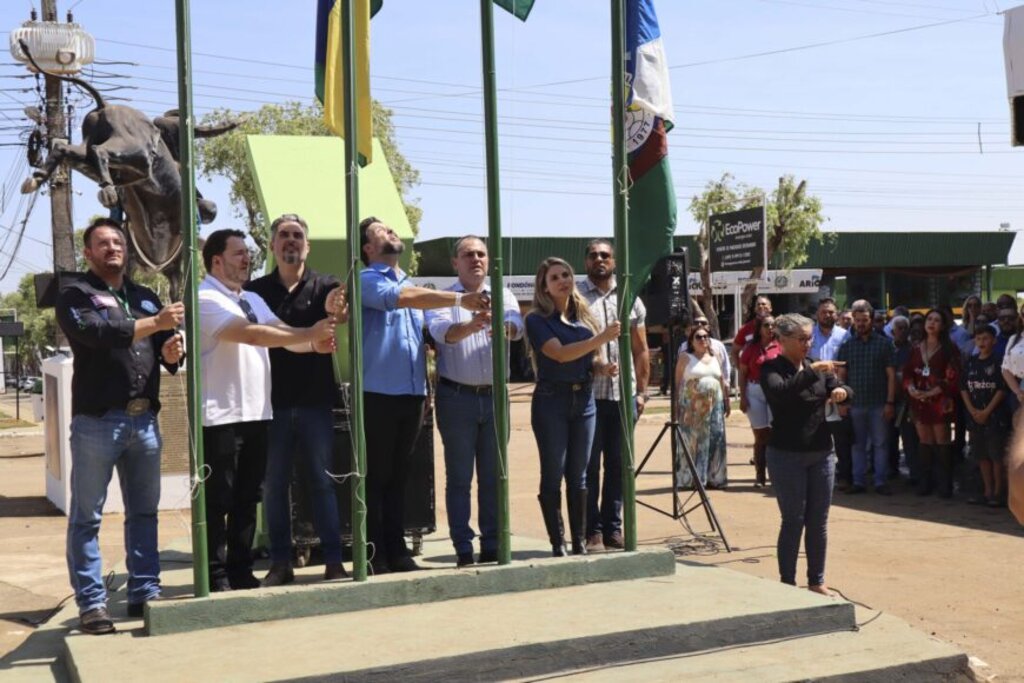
[[885, 649], [505, 636], [319, 598]]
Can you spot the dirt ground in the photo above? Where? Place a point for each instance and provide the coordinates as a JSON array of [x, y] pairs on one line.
[[948, 568]]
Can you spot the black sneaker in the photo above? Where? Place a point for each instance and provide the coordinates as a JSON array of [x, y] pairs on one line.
[[220, 586], [403, 564], [488, 556], [96, 622], [464, 559], [856, 488], [241, 582], [279, 575]]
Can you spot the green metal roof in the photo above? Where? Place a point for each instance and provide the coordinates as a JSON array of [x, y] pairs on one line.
[[910, 249], [844, 251]]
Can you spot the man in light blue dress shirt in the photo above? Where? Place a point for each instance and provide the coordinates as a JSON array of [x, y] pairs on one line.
[[394, 384], [465, 409], [826, 338]]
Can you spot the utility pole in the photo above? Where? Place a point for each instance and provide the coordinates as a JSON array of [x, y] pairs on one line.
[[61, 227], [62, 231]]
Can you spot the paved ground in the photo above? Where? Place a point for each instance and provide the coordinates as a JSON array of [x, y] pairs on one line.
[[949, 569]]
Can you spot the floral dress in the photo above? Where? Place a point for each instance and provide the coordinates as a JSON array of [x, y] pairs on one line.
[[942, 370], [702, 422]]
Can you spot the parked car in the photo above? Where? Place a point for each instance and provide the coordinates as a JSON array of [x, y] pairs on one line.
[[28, 383]]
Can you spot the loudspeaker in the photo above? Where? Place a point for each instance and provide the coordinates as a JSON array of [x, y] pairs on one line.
[[668, 292]]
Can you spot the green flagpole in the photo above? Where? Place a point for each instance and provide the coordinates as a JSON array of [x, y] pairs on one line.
[[355, 298], [200, 560], [500, 392], [620, 185]]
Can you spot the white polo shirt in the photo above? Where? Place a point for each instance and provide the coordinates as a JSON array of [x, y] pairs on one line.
[[236, 377]]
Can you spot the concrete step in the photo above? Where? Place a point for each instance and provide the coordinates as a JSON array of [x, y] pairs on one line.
[[884, 649], [435, 583], [503, 636]]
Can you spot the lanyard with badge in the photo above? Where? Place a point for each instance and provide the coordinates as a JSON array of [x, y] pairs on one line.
[[122, 301]]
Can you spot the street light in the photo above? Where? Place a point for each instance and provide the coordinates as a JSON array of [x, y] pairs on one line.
[[57, 48]]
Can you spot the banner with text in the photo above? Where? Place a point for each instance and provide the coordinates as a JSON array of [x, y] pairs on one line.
[[738, 240]]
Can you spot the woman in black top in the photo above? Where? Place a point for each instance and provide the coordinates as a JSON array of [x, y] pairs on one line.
[[800, 458]]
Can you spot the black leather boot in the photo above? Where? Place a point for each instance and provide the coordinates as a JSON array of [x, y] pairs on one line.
[[944, 470], [577, 501], [551, 509], [926, 458]]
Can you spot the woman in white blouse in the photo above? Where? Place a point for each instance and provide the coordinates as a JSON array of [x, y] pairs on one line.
[[1013, 367]]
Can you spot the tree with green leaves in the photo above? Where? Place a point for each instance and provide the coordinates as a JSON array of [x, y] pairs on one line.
[[40, 327], [226, 156], [794, 221]]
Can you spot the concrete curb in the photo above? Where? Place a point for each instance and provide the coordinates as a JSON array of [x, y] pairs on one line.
[[292, 602]]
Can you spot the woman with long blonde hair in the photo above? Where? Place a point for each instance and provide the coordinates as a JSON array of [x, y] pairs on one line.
[[565, 349]]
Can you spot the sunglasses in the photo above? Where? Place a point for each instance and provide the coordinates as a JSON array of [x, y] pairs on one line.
[[246, 307], [595, 255], [700, 337], [768, 325]]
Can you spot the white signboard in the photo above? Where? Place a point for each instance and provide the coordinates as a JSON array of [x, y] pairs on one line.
[[805, 281], [521, 285]]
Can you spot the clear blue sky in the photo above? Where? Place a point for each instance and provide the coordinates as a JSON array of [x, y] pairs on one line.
[[885, 128]]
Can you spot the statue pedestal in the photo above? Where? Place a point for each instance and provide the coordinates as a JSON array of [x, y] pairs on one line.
[[174, 481]]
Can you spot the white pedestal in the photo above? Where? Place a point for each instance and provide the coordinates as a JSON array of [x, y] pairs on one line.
[[57, 371]]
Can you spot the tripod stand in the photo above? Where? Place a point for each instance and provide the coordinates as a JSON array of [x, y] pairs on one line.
[[680, 454]]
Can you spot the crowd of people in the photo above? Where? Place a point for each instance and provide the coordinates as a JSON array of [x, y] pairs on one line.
[[932, 398], [918, 397], [269, 389]]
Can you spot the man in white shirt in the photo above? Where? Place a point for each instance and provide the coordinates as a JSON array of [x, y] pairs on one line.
[[465, 409], [236, 328]]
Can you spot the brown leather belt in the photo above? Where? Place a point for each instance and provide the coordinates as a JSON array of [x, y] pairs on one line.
[[136, 407]]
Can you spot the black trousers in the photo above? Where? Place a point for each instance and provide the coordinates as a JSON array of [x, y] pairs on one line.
[[237, 456], [842, 439], [392, 424]]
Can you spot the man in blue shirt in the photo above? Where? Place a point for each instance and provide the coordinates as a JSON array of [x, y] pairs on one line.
[[394, 384], [465, 405]]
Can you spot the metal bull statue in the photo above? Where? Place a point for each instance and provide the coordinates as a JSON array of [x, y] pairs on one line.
[[134, 160]]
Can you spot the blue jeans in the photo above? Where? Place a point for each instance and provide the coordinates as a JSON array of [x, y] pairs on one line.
[[604, 498], [870, 427], [306, 432], [563, 424], [466, 422], [803, 489], [98, 445]]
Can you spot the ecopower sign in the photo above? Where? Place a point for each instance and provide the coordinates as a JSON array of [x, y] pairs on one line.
[[738, 240]]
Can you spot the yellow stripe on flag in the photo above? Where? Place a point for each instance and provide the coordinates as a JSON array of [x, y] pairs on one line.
[[334, 93]]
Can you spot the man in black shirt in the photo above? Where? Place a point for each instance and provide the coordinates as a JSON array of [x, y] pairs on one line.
[[118, 330], [302, 393]]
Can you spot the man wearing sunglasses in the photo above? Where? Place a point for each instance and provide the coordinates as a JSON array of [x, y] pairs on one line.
[[302, 395], [236, 329], [604, 499]]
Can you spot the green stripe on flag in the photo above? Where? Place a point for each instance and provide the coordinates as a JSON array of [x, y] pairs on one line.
[[519, 8], [652, 220]]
